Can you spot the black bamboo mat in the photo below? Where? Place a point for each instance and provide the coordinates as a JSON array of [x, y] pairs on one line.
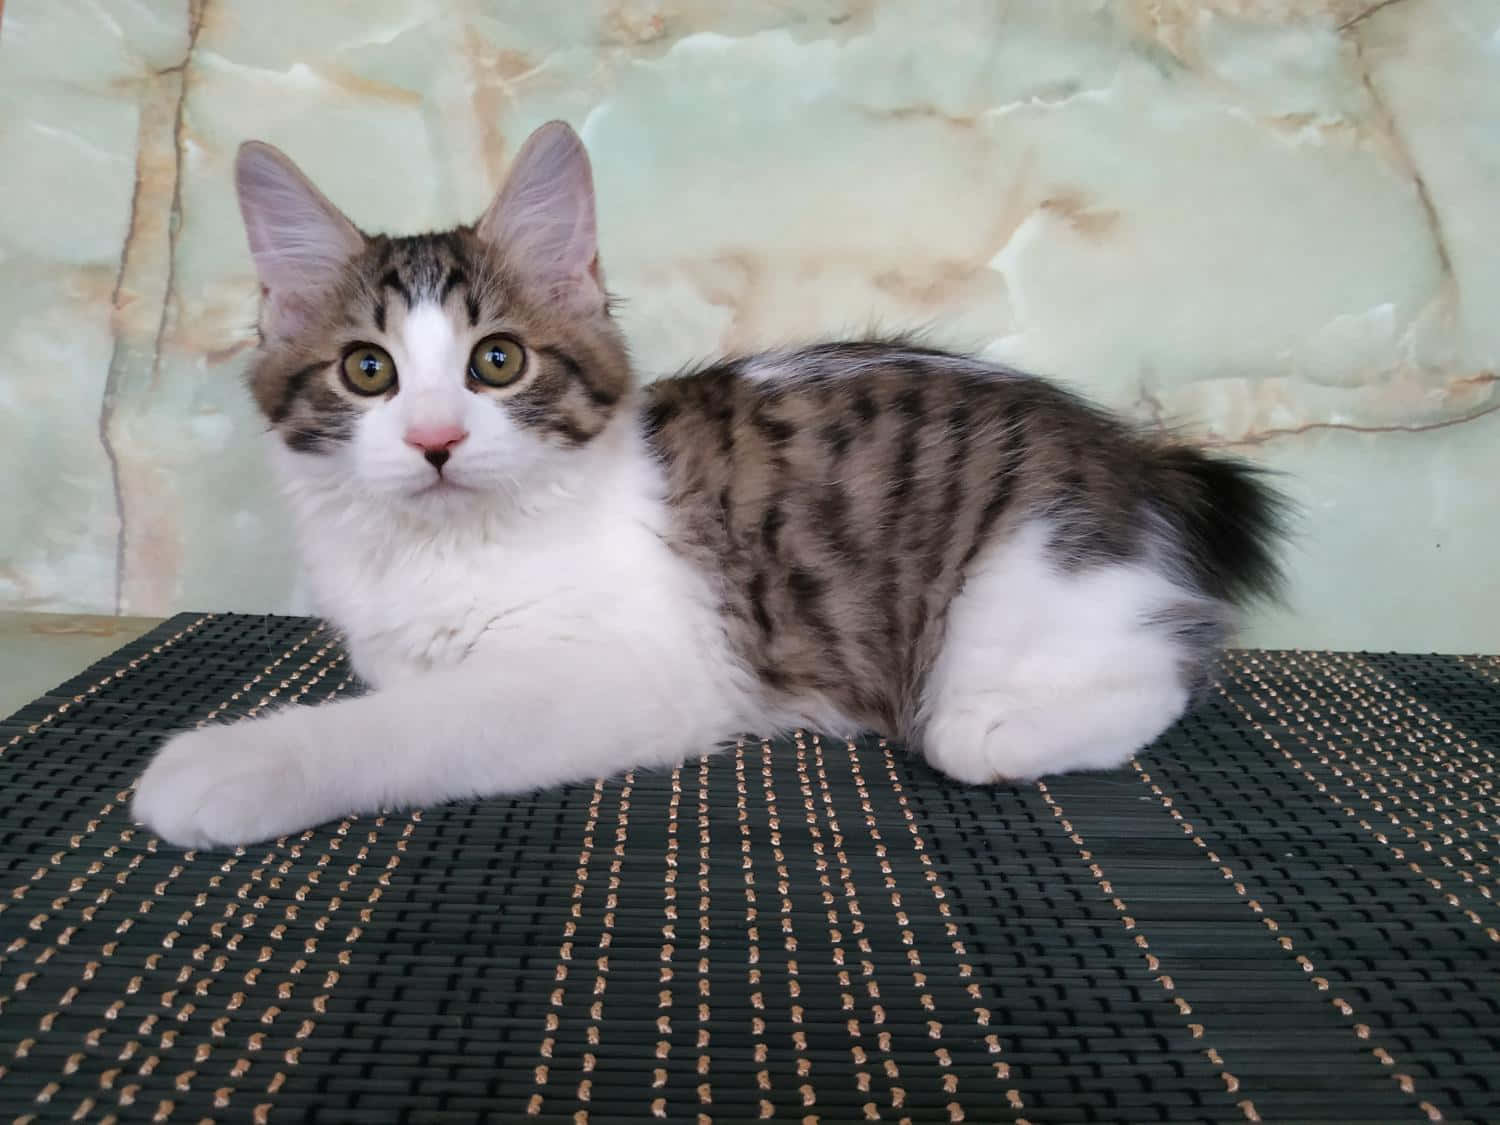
[[1285, 910]]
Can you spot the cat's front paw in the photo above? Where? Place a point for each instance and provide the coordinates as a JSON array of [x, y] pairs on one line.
[[224, 785]]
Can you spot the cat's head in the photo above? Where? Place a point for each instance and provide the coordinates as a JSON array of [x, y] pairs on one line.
[[440, 370]]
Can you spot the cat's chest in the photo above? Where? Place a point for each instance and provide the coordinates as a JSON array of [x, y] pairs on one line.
[[431, 605]]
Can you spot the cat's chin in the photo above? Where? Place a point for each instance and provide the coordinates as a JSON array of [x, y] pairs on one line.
[[442, 486], [445, 498]]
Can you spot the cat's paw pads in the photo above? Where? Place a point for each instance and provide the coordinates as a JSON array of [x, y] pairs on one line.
[[222, 786]]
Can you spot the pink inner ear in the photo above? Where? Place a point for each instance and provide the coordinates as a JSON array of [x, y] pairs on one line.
[[543, 218], [298, 239]]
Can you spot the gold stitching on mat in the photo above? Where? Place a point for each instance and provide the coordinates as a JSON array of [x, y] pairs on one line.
[[981, 1011], [1259, 694], [668, 944], [1428, 735], [592, 1033], [835, 933], [1180, 814], [1486, 666], [854, 909], [1463, 773], [76, 841], [1423, 750], [705, 1089], [806, 1093], [752, 924], [965, 970], [233, 911], [88, 912], [1153, 963], [565, 948], [118, 673], [158, 893], [1439, 747], [152, 961], [343, 957], [1175, 806]]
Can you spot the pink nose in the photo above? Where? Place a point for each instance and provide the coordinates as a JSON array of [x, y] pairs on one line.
[[435, 442]]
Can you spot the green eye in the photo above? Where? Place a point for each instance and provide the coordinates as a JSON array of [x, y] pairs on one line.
[[497, 361], [369, 370]]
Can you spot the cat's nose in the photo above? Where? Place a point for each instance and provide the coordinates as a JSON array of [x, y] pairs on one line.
[[435, 442]]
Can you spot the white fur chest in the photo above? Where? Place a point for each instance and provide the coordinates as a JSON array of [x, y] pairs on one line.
[[409, 607], [589, 574]]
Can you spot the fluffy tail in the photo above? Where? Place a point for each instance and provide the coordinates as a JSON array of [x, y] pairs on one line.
[[1228, 521]]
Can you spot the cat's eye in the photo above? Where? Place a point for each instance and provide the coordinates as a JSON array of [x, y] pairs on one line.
[[497, 361], [368, 370]]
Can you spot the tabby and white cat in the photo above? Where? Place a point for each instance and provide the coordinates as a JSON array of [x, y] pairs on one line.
[[549, 574]]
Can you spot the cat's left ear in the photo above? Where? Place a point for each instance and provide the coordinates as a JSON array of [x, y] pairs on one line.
[[543, 218]]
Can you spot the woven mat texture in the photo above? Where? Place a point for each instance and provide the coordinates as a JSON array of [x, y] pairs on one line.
[[1285, 910]]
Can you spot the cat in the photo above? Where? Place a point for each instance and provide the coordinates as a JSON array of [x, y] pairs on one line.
[[549, 574]]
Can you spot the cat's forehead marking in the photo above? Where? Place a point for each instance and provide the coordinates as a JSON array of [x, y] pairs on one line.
[[421, 263], [431, 345], [414, 269]]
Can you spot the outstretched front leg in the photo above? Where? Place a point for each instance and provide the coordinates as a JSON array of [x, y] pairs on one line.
[[460, 733]]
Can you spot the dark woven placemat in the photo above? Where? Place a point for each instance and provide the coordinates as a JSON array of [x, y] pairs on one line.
[[1284, 911]]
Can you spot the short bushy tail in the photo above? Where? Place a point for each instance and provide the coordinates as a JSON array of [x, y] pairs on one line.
[[1229, 523]]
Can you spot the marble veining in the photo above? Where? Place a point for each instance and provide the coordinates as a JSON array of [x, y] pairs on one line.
[[1270, 223]]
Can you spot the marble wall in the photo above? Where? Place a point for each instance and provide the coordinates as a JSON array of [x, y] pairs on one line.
[[1273, 223]]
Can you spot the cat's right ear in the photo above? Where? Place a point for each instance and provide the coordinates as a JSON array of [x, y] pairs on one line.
[[543, 218], [299, 240]]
